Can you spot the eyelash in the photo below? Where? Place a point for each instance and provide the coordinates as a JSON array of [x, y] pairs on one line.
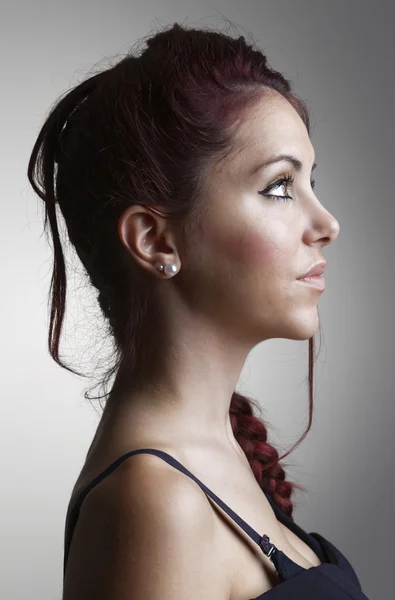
[[287, 181]]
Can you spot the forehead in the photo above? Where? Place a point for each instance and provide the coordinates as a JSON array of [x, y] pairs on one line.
[[271, 127]]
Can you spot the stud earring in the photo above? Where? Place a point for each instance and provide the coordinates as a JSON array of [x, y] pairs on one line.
[[170, 269]]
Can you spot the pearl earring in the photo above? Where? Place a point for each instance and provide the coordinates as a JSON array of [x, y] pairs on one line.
[[170, 269]]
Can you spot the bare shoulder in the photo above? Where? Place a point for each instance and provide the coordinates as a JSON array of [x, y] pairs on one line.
[[146, 531]]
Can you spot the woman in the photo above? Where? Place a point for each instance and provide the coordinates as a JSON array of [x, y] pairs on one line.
[[184, 177]]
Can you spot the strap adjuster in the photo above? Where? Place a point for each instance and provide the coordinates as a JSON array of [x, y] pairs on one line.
[[267, 547]]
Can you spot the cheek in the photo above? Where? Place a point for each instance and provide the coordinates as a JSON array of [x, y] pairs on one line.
[[252, 248]]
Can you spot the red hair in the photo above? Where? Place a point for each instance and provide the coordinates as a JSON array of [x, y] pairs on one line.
[[145, 131]]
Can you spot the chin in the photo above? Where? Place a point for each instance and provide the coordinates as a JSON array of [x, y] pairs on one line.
[[300, 336], [304, 329], [300, 327], [297, 325]]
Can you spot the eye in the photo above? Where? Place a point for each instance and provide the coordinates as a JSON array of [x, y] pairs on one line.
[[283, 182]]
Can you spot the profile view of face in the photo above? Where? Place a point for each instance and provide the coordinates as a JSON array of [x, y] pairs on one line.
[[252, 247]]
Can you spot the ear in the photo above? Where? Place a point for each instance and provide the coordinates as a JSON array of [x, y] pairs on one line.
[[148, 237]]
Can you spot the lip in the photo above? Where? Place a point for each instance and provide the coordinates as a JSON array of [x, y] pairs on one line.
[[315, 271], [317, 282]]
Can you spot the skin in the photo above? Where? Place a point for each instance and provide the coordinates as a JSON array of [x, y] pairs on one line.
[[236, 286]]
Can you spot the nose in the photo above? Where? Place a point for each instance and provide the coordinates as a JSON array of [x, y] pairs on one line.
[[333, 229], [324, 225]]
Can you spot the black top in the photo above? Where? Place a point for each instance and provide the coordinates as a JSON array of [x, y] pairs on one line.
[[334, 579]]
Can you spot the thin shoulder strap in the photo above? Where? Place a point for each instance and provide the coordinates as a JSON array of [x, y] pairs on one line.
[[283, 563]]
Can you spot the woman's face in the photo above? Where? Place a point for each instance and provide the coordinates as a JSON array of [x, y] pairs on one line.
[[251, 249]]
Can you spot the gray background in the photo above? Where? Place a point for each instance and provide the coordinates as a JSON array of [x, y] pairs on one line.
[[340, 57]]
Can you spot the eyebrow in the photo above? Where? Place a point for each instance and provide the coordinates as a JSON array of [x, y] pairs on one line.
[[292, 159]]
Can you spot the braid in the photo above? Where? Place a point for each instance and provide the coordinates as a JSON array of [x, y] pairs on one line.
[[251, 434]]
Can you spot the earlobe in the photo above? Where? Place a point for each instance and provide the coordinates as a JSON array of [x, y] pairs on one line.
[[170, 269]]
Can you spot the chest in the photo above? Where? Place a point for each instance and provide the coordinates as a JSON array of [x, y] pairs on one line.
[[236, 557], [249, 571]]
